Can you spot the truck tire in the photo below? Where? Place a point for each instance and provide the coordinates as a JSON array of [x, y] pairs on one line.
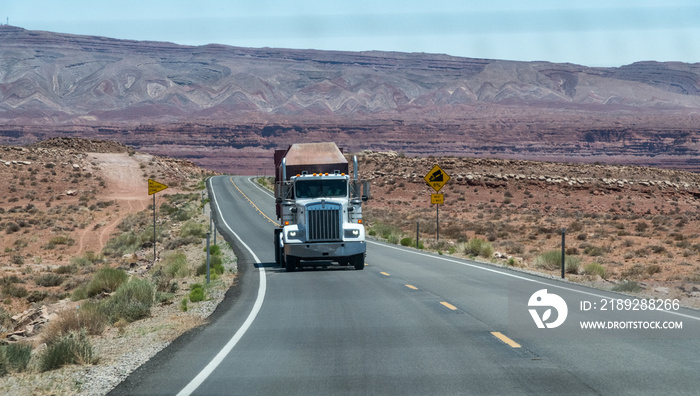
[[359, 261], [290, 263], [278, 249]]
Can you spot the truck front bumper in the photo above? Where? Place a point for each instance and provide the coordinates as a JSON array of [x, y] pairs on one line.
[[324, 251]]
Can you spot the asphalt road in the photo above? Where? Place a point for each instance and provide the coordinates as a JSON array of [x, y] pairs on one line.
[[412, 323]]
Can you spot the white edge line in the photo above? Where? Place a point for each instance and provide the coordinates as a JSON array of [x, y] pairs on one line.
[[501, 272], [214, 363], [250, 179]]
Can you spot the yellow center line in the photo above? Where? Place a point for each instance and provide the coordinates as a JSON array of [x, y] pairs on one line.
[[384, 273], [448, 305], [505, 339], [411, 287], [254, 205]]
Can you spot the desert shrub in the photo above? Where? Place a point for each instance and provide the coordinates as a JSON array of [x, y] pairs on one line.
[[175, 265], [73, 348], [49, 279], [181, 241], [478, 247], [88, 317], [182, 215], [183, 305], [595, 251], [6, 323], [385, 231], [641, 226], [196, 293], [633, 272], [80, 293], [66, 269], [126, 242], [393, 239], [62, 240], [653, 269], [16, 356], [657, 249], [132, 301], [146, 236], [106, 279], [595, 269], [216, 266], [572, 264], [551, 260], [17, 259], [89, 258], [167, 209], [11, 228], [37, 296], [627, 286], [162, 282], [134, 222], [12, 290], [407, 242], [194, 229], [163, 297], [7, 280], [574, 226], [213, 249]]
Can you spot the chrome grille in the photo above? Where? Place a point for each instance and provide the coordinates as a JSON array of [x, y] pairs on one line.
[[323, 222]]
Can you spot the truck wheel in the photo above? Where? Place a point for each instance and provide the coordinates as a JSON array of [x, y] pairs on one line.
[[279, 256], [359, 261], [283, 259], [290, 263]]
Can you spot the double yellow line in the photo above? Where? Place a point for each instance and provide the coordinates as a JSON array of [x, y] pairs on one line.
[[254, 205]]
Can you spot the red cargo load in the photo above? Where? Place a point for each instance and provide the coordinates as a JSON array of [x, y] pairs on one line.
[[310, 158]]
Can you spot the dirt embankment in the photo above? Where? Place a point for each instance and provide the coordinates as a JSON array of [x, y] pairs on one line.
[[65, 202]]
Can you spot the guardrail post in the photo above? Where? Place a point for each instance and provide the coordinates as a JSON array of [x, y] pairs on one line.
[[208, 257], [417, 234], [563, 253]]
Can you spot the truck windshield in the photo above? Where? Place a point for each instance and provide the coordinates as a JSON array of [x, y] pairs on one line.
[[319, 188]]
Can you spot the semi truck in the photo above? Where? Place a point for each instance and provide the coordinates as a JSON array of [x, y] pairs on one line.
[[319, 207]]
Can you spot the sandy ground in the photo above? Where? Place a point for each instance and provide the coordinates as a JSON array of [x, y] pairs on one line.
[[127, 187]]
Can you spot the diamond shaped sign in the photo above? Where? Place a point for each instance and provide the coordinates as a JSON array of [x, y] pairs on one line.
[[436, 178]]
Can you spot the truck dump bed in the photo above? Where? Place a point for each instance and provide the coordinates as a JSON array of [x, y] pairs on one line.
[[311, 158]]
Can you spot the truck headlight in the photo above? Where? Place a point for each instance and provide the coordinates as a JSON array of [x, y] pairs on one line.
[[292, 234], [352, 233]]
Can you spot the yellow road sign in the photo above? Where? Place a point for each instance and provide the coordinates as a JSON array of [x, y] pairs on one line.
[[154, 187], [437, 199], [436, 178]]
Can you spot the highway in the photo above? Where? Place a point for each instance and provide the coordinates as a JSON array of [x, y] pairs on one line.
[[411, 323]]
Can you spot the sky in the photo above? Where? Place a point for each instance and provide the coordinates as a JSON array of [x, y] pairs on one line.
[[591, 33]]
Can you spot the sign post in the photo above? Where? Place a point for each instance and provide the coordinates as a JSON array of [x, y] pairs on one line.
[[436, 178], [153, 188]]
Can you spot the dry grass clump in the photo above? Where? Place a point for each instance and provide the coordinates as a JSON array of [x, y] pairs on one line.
[[88, 317], [71, 348]]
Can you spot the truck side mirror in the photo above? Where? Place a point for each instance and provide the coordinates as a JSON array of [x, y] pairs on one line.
[[365, 191], [278, 200]]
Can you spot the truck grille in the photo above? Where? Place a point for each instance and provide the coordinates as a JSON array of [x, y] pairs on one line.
[[323, 222]]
